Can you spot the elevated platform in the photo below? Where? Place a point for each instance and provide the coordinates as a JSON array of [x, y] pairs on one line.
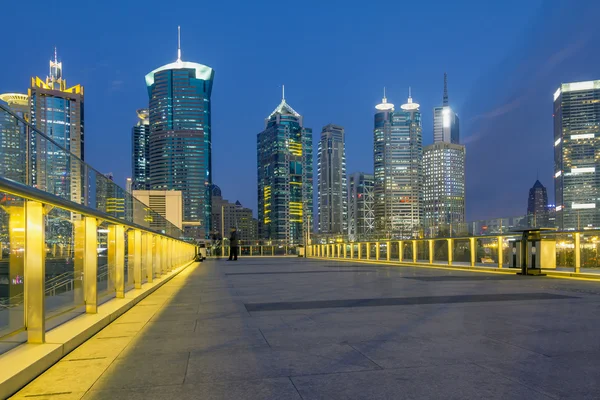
[[293, 328]]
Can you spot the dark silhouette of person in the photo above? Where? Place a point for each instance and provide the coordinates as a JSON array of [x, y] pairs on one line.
[[233, 245]]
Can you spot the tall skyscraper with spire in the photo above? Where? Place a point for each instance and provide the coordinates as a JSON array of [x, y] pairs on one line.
[[285, 176], [398, 169], [444, 175], [140, 158], [180, 138], [57, 111], [332, 186]]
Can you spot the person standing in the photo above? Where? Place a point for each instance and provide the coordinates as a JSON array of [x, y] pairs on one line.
[[233, 245]]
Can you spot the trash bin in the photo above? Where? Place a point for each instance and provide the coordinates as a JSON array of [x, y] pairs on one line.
[[300, 251]]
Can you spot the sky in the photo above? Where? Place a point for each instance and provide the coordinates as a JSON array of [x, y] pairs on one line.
[[504, 62]]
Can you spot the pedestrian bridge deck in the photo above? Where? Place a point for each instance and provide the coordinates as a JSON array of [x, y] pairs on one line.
[[286, 328]]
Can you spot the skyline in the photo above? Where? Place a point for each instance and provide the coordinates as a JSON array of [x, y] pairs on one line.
[[115, 88]]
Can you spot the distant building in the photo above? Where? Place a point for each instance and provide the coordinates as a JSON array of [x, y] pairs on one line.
[[13, 137], [496, 226], [537, 206], [445, 120], [576, 149], [398, 169], [167, 203], [226, 215], [180, 138], [285, 177], [140, 156], [57, 111], [361, 206], [332, 186]]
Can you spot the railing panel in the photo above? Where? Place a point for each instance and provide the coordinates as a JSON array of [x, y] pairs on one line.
[[461, 252], [106, 287], [394, 251], [440, 251], [423, 251], [486, 252]]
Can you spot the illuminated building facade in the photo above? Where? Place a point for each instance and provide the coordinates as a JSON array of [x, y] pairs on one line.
[[140, 165], [537, 206], [180, 139], [57, 111], [332, 185], [445, 120], [285, 177], [577, 155], [227, 215], [398, 169], [13, 137], [444, 189], [361, 206], [444, 175]]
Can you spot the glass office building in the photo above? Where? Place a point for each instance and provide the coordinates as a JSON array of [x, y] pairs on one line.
[[57, 111], [577, 155], [285, 177], [180, 139], [140, 145], [445, 120], [361, 206], [332, 186], [398, 170], [13, 137], [444, 190]]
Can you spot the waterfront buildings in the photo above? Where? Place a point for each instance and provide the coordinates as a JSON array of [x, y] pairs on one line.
[[180, 138], [576, 149], [285, 176], [140, 156], [227, 215], [361, 206], [332, 186]]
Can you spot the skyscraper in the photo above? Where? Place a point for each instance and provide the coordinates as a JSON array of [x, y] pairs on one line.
[[13, 137], [361, 206], [57, 111], [285, 176], [140, 165], [332, 187], [444, 175], [227, 215], [398, 169], [576, 150], [445, 120], [537, 206], [180, 138]]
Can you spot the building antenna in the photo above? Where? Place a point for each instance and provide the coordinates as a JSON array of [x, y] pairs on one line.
[[179, 43], [282, 92], [55, 56], [409, 93], [445, 89]]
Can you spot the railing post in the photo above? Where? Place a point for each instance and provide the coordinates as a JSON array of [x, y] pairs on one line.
[[359, 250], [414, 252], [87, 242], [389, 251], [368, 251], [351, 249], [430, 251], [500, 251], [149, 258], [345, 247], [262, 251], [164, 255], [34, 296], [134, 253], [473, 250], [450, 250], [116, 258], [577, 250], [158, 255], [377, 250], [400, 251]]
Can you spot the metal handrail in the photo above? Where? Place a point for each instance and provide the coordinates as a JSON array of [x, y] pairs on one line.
[[30, 193]]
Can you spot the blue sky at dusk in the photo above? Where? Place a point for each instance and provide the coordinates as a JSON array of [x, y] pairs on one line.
[[504, 61]]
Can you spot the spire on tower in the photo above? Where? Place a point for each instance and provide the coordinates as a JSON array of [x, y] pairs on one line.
[[283, 92], [445, 103], [178, 43], [384, 105], [409, 104]]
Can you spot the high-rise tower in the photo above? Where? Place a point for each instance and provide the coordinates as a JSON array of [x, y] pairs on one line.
[[57, 111], [332, 186], [13, 137], [180, 138], [285, 176], [140, 157], [576, 155], [444, 175], [398, 169], [361, 212], [537, 206]]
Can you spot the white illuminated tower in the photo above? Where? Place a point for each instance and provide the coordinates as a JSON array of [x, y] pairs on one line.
[[444, 175]]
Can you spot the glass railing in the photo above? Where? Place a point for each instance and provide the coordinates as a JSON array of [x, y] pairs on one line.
[[70, 238], [572, 251]]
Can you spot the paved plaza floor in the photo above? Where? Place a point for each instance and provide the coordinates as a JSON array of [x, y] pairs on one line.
[[289, 328]]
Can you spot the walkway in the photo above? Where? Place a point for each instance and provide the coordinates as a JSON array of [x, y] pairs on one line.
[[311, 329]]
